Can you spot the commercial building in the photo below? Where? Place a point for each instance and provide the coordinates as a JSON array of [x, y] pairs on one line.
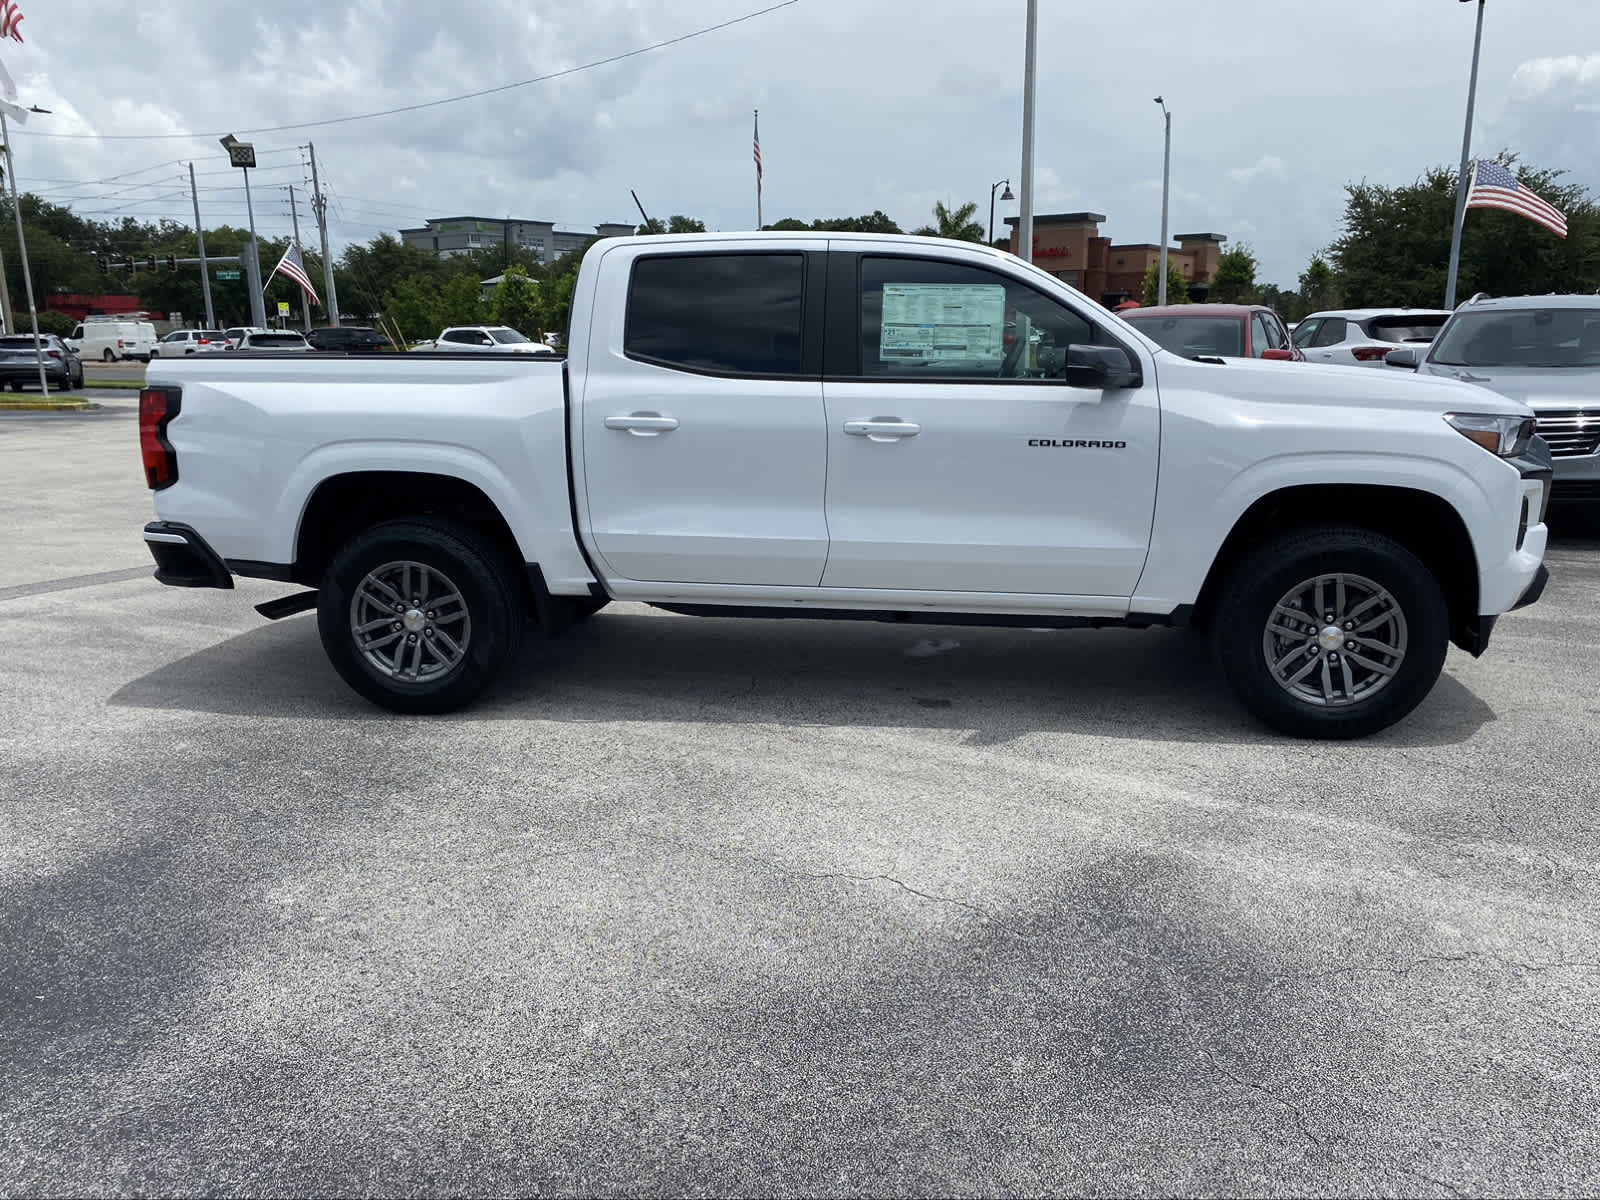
[[1069, 246], [450, 236]]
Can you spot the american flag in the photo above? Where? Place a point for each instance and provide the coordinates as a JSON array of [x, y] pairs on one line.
[[10, 20], [295, 268], [1495, 187], [758, 152]]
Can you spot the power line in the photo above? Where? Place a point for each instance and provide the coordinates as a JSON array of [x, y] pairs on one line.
[[389, 112]]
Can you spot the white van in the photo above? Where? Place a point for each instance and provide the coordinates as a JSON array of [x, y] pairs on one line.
[[110, 340]]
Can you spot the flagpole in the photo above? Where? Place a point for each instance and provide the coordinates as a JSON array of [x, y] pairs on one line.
[[305, 301], [1461, 179], [22, 250], [758, 169]]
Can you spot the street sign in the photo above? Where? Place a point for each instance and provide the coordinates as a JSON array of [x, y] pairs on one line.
[[283, 308], [227, 274]]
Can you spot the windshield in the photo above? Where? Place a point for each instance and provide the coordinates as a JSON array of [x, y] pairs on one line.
[[507, 337], [1535, 337], [1194, 336]]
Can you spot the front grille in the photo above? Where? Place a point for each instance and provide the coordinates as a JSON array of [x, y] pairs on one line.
[[1571, 432]]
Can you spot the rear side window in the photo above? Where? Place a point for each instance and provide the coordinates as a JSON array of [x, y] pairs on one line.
[[737, 314], [1330, 333]]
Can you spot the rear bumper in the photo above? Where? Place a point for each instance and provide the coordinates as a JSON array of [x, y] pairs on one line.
[[183, 559]]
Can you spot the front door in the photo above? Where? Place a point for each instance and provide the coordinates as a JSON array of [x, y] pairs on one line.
[[704, 448], [959, 459]]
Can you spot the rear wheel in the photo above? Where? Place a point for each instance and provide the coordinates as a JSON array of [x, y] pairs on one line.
[[419, 616], [1331, 632], [108, 357]]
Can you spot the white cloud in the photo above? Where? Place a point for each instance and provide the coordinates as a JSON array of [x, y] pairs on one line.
[[1267, 165], [1539, 76]]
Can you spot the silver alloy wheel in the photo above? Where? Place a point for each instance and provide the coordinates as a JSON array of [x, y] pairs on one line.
[[1335, 640], [410, 622]]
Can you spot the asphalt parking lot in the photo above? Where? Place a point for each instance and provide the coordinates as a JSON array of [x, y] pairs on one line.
[[697, 906]]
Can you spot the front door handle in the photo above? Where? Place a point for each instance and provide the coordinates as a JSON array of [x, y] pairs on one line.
[[884, 430], [643, 424]]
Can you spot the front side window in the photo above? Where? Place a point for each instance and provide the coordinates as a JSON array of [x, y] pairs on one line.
[[507, 337], [734, 314], [1194, 337], [1540, 337], [1304, 332], [925, 319]]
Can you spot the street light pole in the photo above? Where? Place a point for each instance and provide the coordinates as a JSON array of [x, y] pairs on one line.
[[1025, 215], [1007, 196], [243, 156], [1461, 182], [1166, 190], [22, 250]]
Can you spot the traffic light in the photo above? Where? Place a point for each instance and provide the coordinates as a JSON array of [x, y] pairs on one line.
[[105, 265], [172, 262], [127, 263], [150, 263]]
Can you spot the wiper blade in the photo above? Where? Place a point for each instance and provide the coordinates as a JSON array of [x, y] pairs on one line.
[[1208, 358]]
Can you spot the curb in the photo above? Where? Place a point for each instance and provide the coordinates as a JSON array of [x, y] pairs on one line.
[[45, 405]]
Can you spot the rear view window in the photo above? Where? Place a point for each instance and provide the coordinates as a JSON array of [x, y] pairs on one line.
[[1405, 329], [1195, 336], [277, 339], [734, 313]]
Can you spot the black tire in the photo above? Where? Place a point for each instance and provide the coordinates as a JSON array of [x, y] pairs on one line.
[[108, 357], [478, 572], [1248, 601]]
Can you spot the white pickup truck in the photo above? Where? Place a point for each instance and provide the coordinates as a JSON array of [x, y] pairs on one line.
[[867, 427]]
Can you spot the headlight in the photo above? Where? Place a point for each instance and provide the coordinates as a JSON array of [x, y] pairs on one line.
[[1502, 435]]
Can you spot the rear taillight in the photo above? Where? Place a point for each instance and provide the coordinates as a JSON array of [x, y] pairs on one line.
[[157, 407], [53, 353], [1371, 353], [119, 344]]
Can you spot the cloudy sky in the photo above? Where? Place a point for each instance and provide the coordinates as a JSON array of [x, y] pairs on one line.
[[886, 104]]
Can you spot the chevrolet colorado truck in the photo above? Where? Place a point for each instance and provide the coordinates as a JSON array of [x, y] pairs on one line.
[[854, 427]]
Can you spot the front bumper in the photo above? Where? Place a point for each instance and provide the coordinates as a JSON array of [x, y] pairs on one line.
[[1519, 578], [183, 559]]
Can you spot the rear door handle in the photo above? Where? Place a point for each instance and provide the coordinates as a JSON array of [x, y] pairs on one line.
[[885, 430], [643, 424]]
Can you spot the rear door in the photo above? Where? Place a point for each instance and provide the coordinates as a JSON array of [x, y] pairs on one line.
[[958, 458], [704, 451]]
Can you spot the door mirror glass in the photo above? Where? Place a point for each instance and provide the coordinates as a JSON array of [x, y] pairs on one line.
[[1406, 357], [1100, 367]]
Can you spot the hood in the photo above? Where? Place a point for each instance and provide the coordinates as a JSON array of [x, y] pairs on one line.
[[1351, 387], [1538, 388]]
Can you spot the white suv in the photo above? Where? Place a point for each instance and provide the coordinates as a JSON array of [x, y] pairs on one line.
[[1360, 337], [190, 341], [487, 337]]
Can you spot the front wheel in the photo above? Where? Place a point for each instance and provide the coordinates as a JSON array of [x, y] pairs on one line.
[[1331, 632], [419, 616]]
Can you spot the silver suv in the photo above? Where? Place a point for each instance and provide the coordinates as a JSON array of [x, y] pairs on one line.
[[1543, 351]]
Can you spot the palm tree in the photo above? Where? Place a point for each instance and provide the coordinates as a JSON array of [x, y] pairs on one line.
[[959, 223]]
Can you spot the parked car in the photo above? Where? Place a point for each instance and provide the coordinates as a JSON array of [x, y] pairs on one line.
[[351, 339], [1361, 337], [181, 342], [1543, 351], [274, 339], [706, 449], [109, 340], [19, 362], [1216, 330], [236, 333], [487, 337]]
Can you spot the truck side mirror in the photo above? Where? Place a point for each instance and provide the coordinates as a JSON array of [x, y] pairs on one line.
[[1276, 354], [1406, 356], [1100, 367]]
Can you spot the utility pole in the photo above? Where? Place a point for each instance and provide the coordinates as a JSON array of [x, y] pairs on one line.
[[305, 303], [1166, 188], [1461, 182], [1025, 216], [319, 205], [200, 234], [22, 249]]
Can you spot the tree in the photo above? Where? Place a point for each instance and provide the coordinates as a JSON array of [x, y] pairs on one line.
[[959, 224], [1177, 286], [875, 221], [461, 300], [1235, 278], [1395, 248], [413, 307], [515, 302], [1319, 290], [676, 223]]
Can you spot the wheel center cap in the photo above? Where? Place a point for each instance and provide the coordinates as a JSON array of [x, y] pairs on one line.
[[414, 620], [1331, 637]]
